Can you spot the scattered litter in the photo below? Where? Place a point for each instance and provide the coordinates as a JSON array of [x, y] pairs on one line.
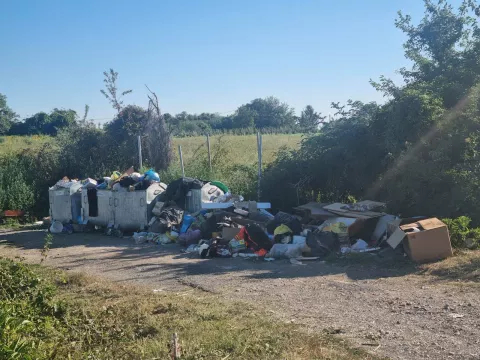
[[456, 316], [296, 262]]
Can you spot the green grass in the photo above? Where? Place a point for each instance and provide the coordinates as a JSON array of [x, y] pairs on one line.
[[46, 314], [244, 147], [16, 144]]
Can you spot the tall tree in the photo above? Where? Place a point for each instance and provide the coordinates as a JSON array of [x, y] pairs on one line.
[[7, 116], [309, 119], [111, 90], [270, 112]]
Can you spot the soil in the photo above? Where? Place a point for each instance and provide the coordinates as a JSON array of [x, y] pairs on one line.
[[389, 307]]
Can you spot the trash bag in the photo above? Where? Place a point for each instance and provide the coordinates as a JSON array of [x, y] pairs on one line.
[[286, 219], [152, 175], [322, 243], [178, 189], [283, 235], [255, 237], [288, 251], [169, 217]]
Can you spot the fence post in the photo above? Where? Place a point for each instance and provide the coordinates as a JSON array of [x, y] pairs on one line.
[[181, 159], [209, 155], [259, 147], [140, 164]]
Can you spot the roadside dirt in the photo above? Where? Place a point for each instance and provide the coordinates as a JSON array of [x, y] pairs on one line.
[[398, 311]]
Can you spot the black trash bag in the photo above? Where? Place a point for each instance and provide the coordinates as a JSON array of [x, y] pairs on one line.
[[256, 238], [322, 243], [178, 189], [214, 223], [169, 217], [127, 181], [286, 219]]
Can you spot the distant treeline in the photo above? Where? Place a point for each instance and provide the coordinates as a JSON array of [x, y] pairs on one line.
[[269, 115]]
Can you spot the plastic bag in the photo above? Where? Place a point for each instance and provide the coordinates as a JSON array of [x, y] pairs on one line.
[[187, 221], [152, 175], [288, 251]]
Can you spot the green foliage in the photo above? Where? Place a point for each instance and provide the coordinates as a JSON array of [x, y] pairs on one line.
[[461, 234], [16, 191], [46, 124], [309, 119], [7, 116], [419, 151], [111, 92], [47, 315]]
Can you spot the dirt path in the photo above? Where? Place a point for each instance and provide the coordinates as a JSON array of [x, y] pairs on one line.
[[396, 312]]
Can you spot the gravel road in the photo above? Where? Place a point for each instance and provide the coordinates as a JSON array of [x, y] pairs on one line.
[[399, 312]]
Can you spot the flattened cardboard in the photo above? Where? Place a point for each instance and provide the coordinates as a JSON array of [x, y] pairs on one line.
[[396, 238], [337, 209]]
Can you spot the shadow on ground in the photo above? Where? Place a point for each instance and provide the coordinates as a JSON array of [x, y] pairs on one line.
[[80, 249]]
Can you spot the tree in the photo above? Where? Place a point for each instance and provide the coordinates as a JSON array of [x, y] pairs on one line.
[[158, 140], [45, 124], [309, 119], [270, 112], [244, 117], [111, 92], [7, 116]]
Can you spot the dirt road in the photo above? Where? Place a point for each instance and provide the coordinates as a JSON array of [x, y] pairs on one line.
[[399, 311]]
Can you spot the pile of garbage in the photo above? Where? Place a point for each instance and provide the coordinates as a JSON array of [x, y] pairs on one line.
[[128, 181], [231, 227]]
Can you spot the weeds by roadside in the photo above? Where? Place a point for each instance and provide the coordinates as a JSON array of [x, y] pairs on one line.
[[45, 314]]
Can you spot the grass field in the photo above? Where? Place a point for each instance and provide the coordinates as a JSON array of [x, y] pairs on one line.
[[244, 147], [47, 314]]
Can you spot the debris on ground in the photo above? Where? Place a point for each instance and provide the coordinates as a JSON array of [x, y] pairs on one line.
[[209, 221]]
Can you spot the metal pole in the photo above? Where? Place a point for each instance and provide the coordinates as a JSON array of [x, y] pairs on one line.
[[209, 155], [259, 147], [181, 159], [140, 153]]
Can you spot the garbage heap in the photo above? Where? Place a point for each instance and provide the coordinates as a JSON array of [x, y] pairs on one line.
[[227, 226], [77, 203]]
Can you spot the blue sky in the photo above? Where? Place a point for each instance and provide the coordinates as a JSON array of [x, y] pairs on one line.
[[199, 56]]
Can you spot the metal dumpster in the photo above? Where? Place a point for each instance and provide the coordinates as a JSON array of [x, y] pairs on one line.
[[65, 203], [195, 197], [105, 208], [133, 209]]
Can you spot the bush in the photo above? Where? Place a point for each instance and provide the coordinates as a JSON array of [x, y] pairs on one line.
[[461, 235]]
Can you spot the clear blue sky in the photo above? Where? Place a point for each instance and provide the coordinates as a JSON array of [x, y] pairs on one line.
[[198, 55]]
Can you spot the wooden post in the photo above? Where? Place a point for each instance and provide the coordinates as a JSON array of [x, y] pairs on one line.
[[175, 347], [259, 147], [140, 164], [209, 155], [181, 159]]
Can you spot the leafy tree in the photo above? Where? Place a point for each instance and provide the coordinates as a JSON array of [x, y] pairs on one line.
[[43, 123], [244, 117], [270, 112], [419, 151], [7, 116], [111, 90], [309, 119]]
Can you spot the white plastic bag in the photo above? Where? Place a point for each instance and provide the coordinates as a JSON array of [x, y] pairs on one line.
[[288, 251]]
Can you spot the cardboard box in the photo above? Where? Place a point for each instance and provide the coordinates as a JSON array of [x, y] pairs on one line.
[[229, 233], [427, 240]]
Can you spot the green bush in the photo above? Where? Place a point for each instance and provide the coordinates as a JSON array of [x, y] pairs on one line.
[[461, 235]]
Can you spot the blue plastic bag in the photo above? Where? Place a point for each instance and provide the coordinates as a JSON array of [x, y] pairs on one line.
[[152, 175], [187, 221]]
